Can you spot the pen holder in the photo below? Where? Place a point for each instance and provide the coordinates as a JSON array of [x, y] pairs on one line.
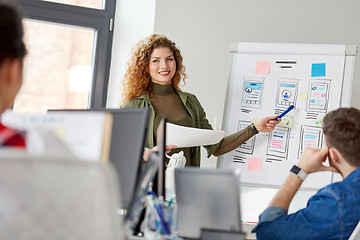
[[160, 219]]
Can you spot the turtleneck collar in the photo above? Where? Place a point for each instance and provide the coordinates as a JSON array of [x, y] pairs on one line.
[[162, 90]]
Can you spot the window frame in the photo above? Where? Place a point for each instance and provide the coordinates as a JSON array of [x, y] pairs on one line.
[[101, 20]]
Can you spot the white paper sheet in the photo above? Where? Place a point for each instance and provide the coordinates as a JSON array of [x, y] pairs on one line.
[[189, 137]]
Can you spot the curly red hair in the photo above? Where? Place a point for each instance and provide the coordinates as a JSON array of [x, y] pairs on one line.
[[137, 78]]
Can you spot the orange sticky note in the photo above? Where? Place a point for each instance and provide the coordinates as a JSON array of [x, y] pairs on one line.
[[263, 67], [254, 164]]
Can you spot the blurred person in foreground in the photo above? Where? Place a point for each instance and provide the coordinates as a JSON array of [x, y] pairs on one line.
[[12, 53]]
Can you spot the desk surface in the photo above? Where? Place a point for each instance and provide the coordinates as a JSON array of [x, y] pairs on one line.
[[246, 227]]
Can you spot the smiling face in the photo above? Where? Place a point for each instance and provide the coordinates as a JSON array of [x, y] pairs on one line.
[[162, 66]]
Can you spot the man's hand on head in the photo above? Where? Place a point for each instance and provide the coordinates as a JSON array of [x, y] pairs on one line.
[[312, 160]]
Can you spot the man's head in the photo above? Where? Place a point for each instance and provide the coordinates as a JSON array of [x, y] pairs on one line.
[[342, 131], [12, 53]]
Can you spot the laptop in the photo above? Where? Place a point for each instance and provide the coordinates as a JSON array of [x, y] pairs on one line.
[[207, 199]]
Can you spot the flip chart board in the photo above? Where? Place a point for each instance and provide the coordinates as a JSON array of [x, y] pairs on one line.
[[265, 79]]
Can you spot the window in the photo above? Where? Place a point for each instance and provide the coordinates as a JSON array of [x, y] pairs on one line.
[[85, 3], [69, 49]]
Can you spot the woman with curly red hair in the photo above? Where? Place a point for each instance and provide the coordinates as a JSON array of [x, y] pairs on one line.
[[152, 80]]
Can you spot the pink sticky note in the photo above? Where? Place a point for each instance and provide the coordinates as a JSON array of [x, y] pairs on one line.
[[255, 164], [263, 67]]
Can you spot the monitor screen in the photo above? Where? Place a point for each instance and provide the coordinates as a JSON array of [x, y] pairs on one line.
[[161, 144], [133, 218], [128, 137], [130, 128], [207, 199]]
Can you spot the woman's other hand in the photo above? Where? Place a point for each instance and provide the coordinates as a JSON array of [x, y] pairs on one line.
[[148, 151]]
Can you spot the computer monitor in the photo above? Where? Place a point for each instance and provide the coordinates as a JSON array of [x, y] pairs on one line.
[[128, 137], [154, 172], [161, 144], [207, 199], [136, 211]]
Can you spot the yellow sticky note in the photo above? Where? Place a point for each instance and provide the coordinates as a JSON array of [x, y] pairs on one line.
[[302, 96], [318, 122], [287, 121]]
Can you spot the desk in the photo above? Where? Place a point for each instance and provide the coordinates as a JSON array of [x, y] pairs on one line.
[[246, 227]]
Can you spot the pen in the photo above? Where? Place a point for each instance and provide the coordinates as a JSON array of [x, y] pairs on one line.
[[285, 112], [162, 216], [170, 202], [157, 203], [159, 222]]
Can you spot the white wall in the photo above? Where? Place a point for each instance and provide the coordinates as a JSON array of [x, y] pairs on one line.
[[134, 20]]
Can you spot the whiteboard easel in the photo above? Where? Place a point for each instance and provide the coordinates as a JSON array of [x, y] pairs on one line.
[[262, 51]]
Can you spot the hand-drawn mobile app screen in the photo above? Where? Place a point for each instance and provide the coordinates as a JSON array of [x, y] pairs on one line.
[[287, 92], [252, 92], [318, 95], [310, 137], [278, 144], [248, 146]]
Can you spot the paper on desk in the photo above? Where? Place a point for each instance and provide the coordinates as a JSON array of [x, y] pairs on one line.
[[189, 137]]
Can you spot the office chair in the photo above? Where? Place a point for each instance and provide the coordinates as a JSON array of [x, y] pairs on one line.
[[53, 198]]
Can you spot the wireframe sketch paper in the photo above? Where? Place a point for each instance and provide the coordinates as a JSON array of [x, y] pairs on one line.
[[189, 137]]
